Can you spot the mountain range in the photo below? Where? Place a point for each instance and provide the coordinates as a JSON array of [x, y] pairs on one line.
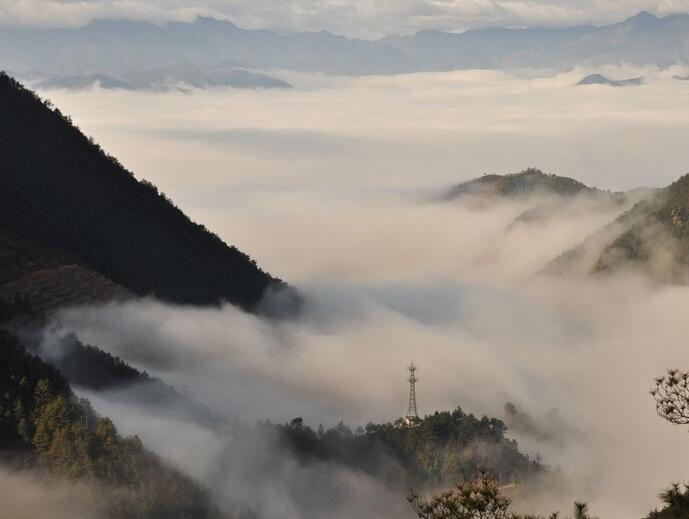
[[133, 49]]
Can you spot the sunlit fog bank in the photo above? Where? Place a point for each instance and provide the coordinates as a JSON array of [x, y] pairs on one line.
[[589, 349], [332, 158], [332, 186]]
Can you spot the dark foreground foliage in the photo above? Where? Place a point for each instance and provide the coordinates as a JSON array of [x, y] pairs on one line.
[[477, 498], [676, 501], [671, 395]]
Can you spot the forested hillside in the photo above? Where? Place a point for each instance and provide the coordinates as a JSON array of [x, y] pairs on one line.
[[440, 449], [76, 226], [656, 239], [651, 238], [43, 426]]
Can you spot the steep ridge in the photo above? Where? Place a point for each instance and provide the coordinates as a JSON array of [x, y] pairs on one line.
[[657, 238], [651, 238], [76, 226]]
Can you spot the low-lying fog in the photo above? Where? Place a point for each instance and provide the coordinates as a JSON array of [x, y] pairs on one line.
[[330, 187]]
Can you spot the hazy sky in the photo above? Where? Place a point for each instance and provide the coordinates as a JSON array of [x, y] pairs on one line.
[[364, 18]]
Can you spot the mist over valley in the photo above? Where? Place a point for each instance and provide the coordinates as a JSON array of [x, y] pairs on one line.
[[215, 275]]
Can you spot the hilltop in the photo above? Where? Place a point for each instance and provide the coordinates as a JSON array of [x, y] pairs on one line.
[[526, 183], [76, 226], [441, 448]]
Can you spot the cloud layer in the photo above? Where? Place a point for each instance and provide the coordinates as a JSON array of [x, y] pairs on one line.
[[377, 144], [590, 349], [329, 187], [26, 495]]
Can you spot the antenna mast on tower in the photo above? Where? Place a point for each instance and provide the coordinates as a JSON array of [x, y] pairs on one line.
[[412, 412]]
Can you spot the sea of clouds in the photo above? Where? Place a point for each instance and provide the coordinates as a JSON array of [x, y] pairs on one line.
[[332, 186]]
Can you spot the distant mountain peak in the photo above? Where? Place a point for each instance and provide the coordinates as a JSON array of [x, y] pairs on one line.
[[524, 183], [646, 19], [645, 16], [643, 19], [599, 79]]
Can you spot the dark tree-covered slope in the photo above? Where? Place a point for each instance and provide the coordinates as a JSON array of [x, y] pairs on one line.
[[43, 426], [74, 221], [88, 366]]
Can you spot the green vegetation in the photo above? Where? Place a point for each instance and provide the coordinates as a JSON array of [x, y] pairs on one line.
[[655, 239], [481, 497], [473, 499], [64, 202], [43, 426], [443, 447]]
